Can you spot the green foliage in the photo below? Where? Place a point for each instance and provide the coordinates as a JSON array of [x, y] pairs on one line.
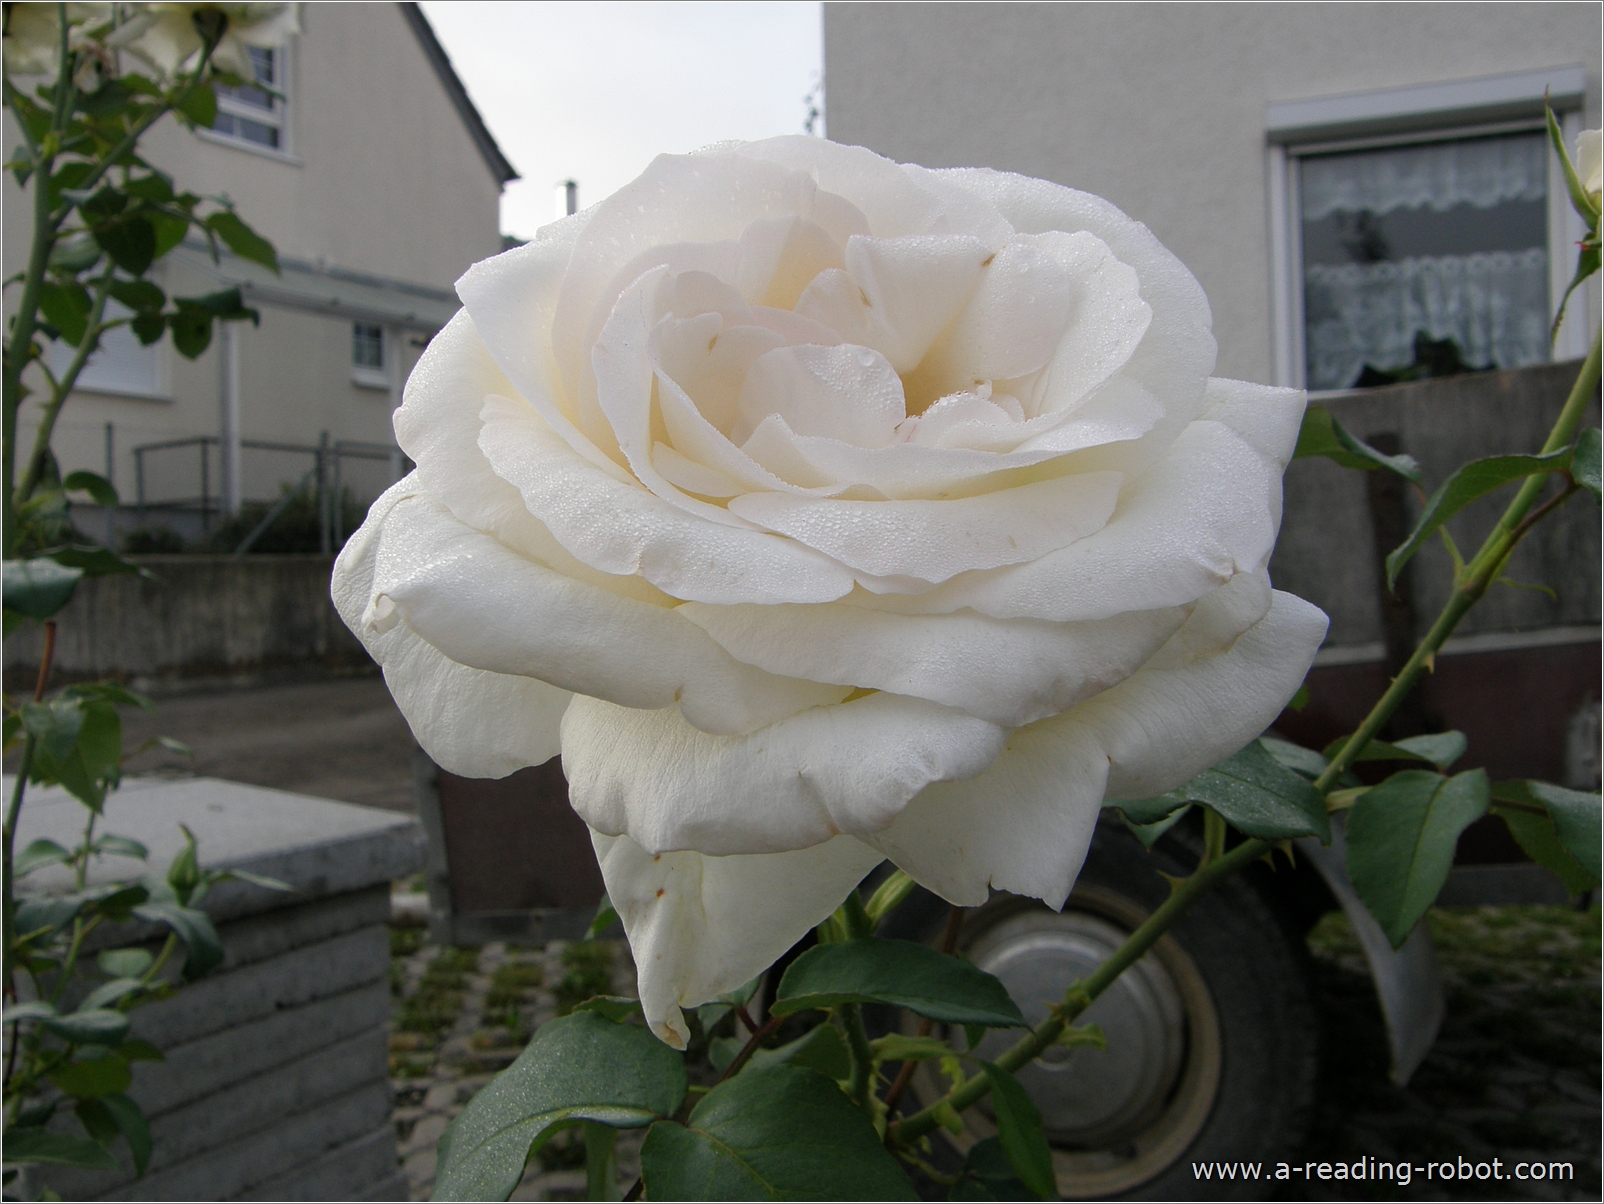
[[1441, 749], [1323, 435], [776, 1133], [1252, 790], [581, 1067], [1401, 838], [900, 973], [296, 529], [1019, 1130], [38, 588], [987, 1174], [1469, 482], [589, 966], [1573, 814], [1585, 460], [821, 1048]]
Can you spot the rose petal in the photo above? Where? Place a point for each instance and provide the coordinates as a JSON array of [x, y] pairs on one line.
[[844, 392], [471, 722], [484, 606], [832, 769], [700, 926], [932, 541], [1009, 672], [624, 529]]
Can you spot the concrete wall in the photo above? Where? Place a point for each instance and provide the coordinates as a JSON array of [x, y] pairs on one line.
[[202, 621], [1161, 107]]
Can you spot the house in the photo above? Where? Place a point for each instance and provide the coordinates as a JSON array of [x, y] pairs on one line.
[[378, 183]]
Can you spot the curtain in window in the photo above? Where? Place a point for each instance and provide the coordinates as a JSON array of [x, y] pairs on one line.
[[1482, 172], [1493, 304]]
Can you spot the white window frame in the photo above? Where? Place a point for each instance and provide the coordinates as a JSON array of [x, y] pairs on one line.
[[1429, 113], [120, 338], [365, 377], [285, 150]]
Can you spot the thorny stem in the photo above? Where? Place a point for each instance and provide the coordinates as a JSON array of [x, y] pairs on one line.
[[949, 944], [862, 1059], [8, 838], [750, 1047]]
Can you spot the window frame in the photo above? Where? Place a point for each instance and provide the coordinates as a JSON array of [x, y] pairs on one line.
[[364, 376], [160, 387], [285, 150], [1411, 116]]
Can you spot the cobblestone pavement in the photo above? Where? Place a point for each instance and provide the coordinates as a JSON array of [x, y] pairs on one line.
[[1515, 1073]]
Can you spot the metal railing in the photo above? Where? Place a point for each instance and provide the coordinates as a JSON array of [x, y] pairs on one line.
[[325, 475]]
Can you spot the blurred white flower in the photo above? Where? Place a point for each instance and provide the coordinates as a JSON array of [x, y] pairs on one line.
[[1590, 162], [167, 37], [33, 35]]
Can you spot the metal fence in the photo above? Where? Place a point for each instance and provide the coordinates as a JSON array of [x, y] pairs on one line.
[[327, 475]]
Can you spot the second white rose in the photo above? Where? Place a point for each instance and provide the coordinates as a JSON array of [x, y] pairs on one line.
[[819, 509]]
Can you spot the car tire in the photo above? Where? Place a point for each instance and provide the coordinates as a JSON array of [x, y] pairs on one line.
[[1213, 1037]]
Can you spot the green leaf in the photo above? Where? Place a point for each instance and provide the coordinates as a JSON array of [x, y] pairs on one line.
[[98, 1026], [184, 875], [170, 230], [1441, 749], [131, 1123], [1019, 1129], [39, 853], [1575, 815], [140, 1051], [95, 485], [66, 307], [124, 963], [1145, 812], [97, 1121], [1469, 482], [901, 973], [1257, 795], [192, 330], [138, 295], [1148, 834], [55, 724], [32, 1145], [261, 880], [988, 1175], [110, 992], [616, 1008], [155, 188], [1401, 839], [89, 1078], [1580, 201], [34, 1009], [75, 253], [820, 1048], [1535, 834], [46, 913], [200, 107], [779, 1133], [606, 917], [1587, 263], [900, 1047], [580, 1067], [96, 562], [194, 928], [130, 241], [1322, 435], [1585, 460], [120, 846], [92, 761], [242, 240], [147, 327], [38, 588], [1295, 757]]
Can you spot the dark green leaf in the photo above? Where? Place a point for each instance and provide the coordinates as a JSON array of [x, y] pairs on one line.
[[88, 1078], [192, 330], [1575, 815], [39, 853], [900, 1047], [721, 1051], [34, 1009], [156, 188], [99, 1026], [192, 927], [1441, 749], [102, 204], [200, 107], [38, 588], [96, 562], [75, 253], [1019, 1129], [55, 724], [1585, 460], [1535, 834], [779, 1133], [1148, 834], [120, 846], [134, 1127], [170, 230], [1257, 795], [46, 913], [1469, 482], [130, 241], [581, 1067], [225, 303], [91, 763], [147, 327], [1145, 812], [606, 917], [140, 1051], [115, 900], [1584, 205], [95, 485], [242, 240], [138, 294], [1401, 839], [97, 1121], [988, 1175], [124, 963], [1587, 263], [616, 1008], [184, 875], [31, 1145], [1295, 757], [109, 993], [1322, 435], [820, 1048], [66, 307], [261, 880], [901, 973]]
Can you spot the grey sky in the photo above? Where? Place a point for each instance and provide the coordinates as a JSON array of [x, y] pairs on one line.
[[594, 90]]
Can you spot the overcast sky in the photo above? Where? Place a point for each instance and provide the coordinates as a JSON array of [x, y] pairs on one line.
[[592, 91]]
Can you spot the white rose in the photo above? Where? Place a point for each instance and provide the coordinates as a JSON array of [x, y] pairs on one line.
[[166, 38], [821, 510], [1590, 162], [33, 35]]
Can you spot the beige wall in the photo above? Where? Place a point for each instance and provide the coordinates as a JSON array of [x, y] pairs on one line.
[[382, 177], [1161, 107]]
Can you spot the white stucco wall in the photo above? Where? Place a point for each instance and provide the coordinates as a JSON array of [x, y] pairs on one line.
[[1161, 107]]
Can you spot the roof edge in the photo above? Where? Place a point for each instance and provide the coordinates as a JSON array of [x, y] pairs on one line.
[[500, 168]]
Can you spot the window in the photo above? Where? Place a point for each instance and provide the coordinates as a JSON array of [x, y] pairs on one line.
[[367, 356], [120, 365], [256, 115], [1435, 249], [1422, 231]]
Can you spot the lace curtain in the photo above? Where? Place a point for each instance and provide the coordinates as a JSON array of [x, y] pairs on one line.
[[1483, 172], [1494, 304]]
